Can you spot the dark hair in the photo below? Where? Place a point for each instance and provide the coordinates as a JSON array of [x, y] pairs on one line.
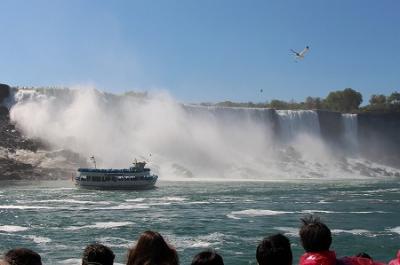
[[97, 254], [364, 255], [274, 250], [208, 257], [151, 249], [315, 236], [22, 256]]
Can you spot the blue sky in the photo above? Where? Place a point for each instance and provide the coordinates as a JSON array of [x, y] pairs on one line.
[[204, 50]]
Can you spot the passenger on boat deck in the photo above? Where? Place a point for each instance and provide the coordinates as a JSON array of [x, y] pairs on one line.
[[97, 254], [359, 259], [274, 250], [22, 256], [208, 257], [151, 249], [316, 240]]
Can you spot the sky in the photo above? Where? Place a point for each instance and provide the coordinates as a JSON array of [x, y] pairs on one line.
[[203, 50]]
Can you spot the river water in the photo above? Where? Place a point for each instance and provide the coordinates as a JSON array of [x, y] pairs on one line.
[[58, 220]]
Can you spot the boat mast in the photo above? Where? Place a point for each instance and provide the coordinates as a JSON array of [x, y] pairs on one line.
[[94, 161]]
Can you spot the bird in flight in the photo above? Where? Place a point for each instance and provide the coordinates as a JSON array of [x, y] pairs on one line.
[[300, 55]]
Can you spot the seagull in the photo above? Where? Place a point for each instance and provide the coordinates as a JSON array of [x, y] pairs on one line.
[[300, 55]]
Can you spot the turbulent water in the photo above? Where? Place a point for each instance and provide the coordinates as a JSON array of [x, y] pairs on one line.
[[58, 220]]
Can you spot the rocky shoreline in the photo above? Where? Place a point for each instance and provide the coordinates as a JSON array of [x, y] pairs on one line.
[[30, 159]]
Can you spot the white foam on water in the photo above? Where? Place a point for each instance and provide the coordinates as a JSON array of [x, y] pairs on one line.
[[335, 212], [394, 230], [124, 206], [100, 225], [198, 202], [39, 239], [12, 228], [291, 231], [73, 261], [24, 207], [366, 212], [352, 231], [316, 211], [179, 199], [72, 201], [115, 242], [159, 203], [203, 241], [255, 213], [231, 216], [135, 200]]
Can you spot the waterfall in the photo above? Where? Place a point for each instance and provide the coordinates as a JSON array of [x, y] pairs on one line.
[[185, 141], [350, 132], [293, 123]]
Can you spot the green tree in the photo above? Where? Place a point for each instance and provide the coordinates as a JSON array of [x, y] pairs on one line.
[[394, 98], [278, 104], [378, 100], [346, 100], [313, 103]]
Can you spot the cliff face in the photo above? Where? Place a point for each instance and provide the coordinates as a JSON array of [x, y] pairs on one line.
[[379, 137], [23, 158], [4, 92]]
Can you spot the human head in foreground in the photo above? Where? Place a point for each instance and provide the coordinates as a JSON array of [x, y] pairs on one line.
[[22, 256], [396, 261], [208, 257], [274, 250], [151, 249], [315, 236], [97, 254], [363, 255]]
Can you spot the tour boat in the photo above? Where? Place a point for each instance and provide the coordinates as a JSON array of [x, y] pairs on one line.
[[132, 178]]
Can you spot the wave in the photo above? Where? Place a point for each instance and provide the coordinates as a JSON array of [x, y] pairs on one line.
[[179, 199], [63, 201], [24, 207], [136, 200], [352, 231], [116, 242], [291, 231], [100, 225], [202, 241], [13, 228], [39, 239], [254, 213], [72, 261], [335, 212], [123, 206], [394, 230]]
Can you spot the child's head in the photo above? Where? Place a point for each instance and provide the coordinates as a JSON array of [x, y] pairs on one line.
[[274, 250], [208, 257], [315, 236]]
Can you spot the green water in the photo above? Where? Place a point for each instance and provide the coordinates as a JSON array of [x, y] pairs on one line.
[[58, 220]]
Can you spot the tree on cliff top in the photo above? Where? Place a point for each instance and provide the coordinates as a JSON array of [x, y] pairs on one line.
[[394, 98], [346, 100]]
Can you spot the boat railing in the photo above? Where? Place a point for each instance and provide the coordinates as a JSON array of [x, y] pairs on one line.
[[110, 170]]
